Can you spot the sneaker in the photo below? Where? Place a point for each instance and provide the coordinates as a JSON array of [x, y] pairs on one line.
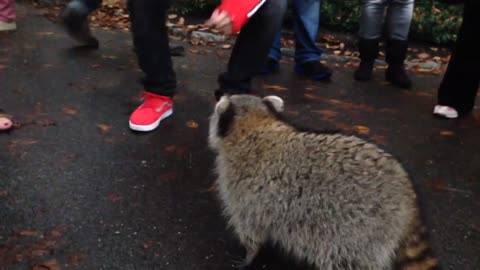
[[5, 122], [271, 66], [75, 20], [314, 70], [445, 111], [8, 26], [154, 109]]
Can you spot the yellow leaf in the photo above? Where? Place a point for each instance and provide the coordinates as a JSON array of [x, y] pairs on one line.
[[192, 124], [447, 133], [362, 130]]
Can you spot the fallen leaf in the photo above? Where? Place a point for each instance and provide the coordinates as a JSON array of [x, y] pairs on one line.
[[437, 185], [274, 87], [172, 16], [226, 46], [45, 123], [76, 259], [28, 233], [59, 230], [170, 148], [48, 265], [104, 128], [70, 110], [423, 56], [337, 52], [40, 252], [44, 33], [3, 193], [363, 130], [447, 133], [327, 113], [114, 197], [192, 124]]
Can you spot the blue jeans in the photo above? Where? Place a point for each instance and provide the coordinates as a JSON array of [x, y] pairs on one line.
[[91, 5], [306, 21], [399, 17]]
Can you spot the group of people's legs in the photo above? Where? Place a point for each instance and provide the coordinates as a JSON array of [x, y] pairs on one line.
[[258, 49]]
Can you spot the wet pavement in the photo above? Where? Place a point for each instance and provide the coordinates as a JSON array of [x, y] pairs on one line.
[[78, 190]]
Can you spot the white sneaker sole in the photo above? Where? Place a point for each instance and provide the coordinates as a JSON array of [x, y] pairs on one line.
[[445, 111], [4, 26], [151, 126]]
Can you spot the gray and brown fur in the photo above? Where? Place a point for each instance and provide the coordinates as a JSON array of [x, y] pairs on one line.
[[335, 200]]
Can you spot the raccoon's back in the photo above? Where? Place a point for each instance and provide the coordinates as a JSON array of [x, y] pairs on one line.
[[341, 187]]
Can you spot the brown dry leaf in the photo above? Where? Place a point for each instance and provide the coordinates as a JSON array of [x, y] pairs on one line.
[[3, 193], [327, 113], [347, 53], [2, 66], [45, 33], [28, 233], [104, 128], [76, 259], [447, 133], [172, 16], [59, 230], [194, 51], [423, 56], [437, 185], [48, 265], [70, 110], [337, 52], [226, 46], [181, 21], [191, 124], [170, 148], [39, 252], [274, 87], [363, 130]]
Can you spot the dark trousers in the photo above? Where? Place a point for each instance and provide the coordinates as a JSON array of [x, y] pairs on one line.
[[251, 48], [150, 38], [460, 84]]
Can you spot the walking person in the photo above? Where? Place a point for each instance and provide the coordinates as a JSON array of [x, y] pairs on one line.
[[259, 21], [459, 87], [306, 19]]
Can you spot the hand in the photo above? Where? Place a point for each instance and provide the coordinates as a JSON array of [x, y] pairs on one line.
[[221, 21]]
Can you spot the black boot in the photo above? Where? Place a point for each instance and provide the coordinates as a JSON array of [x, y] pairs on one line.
[[368, 53], [396, 52], [75, 20]]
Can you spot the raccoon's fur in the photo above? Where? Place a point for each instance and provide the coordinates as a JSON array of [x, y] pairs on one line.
[[335, 200]]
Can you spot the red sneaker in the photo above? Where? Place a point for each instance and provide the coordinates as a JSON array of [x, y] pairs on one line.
[[154, 109]]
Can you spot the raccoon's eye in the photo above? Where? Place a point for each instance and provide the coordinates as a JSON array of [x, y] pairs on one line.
[[225, 121]]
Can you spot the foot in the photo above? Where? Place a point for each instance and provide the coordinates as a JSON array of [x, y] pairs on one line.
[[314, 70], [445, 111], [153, 110], [397, 76], [271, 66], [75, 19], [364, 71], [8, 26], [5, 122]]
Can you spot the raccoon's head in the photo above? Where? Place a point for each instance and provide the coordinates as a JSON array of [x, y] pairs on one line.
[[231, 110]]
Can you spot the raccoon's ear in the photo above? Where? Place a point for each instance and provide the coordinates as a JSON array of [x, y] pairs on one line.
[[226, 116], [222, 105], [275, 102]]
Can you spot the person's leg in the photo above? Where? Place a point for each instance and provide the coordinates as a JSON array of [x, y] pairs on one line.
[[274, 56], [7, 15], [75, 19], [400, 13], [307, 53], [371, 25], [150, 37], [459, 86], [251, 48]]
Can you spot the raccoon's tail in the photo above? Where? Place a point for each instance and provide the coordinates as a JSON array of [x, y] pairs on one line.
[[416, 253]]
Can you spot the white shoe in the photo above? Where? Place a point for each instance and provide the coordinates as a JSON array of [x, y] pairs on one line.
[[8, 26], [445, 111]]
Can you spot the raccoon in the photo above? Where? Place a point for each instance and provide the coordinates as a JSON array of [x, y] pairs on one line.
[[334, 200]]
